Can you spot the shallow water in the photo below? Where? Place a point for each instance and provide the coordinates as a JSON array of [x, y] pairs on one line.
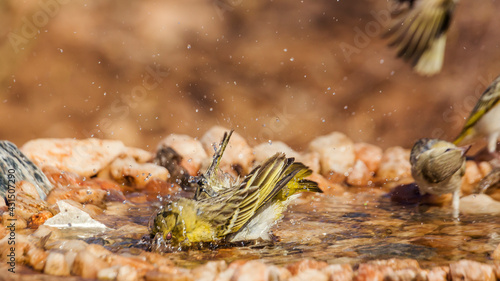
[[349, 229]]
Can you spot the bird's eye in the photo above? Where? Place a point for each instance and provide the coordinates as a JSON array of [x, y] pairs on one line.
[[169, 236], [448, 150]]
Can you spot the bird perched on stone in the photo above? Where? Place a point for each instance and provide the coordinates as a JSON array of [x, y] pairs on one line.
[[484, 120], [419, 32], [231, 211], [437, 166]]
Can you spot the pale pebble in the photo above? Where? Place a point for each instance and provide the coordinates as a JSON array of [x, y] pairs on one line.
[[305, 264], [438, 273], [479, 204], [208, 271], [87, 264], [84, 157], [23, 245], [278, 273], [370, 154], [139, 155], [127, 169], [192, 151], [471, 178], [127, 273], [266, 150], [471, 270], [36, 258], [310, 274], [56, 264], [336, 152], [251, 271], [338, 272], [27, 206], [28, 188], [394, 165], [360, 175], [109, 273]]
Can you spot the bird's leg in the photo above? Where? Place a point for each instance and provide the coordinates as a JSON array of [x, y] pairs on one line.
[[455, 203]]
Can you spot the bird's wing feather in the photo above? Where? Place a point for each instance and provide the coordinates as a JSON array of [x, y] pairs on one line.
[[417, 30], [434, 171], [269, 178], [489, 99]]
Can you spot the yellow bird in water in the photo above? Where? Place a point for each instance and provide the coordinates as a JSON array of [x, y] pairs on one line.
[[484, 120], [419, 32], [437, 166], [231, 211]]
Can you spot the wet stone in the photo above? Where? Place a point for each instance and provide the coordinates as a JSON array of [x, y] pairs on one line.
[[360, 175], [267, 149], [471, 178], [209, 270], [127, 273], [127, 170], [394, 165], [27, 206], [369, 154], [87, 264], [490, 184], [109, 273], [328, 187], [83, 157], [336, 152], [309, 274], [56, 265], [392, 269], [479, 204], [252, 270], [471, 270], [438, 273], [190, 149], [71, 216], [338, 272], [16, 167], [305, 265], [36, 258]]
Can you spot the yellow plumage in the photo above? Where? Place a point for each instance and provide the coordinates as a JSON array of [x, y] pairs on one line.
[[484, 120], [233, 211]]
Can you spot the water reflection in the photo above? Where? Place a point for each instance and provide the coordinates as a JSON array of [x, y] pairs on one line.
[[349, 229]]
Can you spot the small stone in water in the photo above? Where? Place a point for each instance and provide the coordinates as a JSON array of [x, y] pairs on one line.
[[72, 217], [56, 265]]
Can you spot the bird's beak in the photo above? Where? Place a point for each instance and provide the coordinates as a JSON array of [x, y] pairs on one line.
[[464, 149]]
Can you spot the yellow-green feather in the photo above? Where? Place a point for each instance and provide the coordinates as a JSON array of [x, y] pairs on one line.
[[489, 99]]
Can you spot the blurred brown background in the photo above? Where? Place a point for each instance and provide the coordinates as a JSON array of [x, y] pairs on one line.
[[140, 70]]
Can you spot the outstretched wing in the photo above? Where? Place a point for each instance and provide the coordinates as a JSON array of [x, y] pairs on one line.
[[235, 207], [269, 178], [421, 33]]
